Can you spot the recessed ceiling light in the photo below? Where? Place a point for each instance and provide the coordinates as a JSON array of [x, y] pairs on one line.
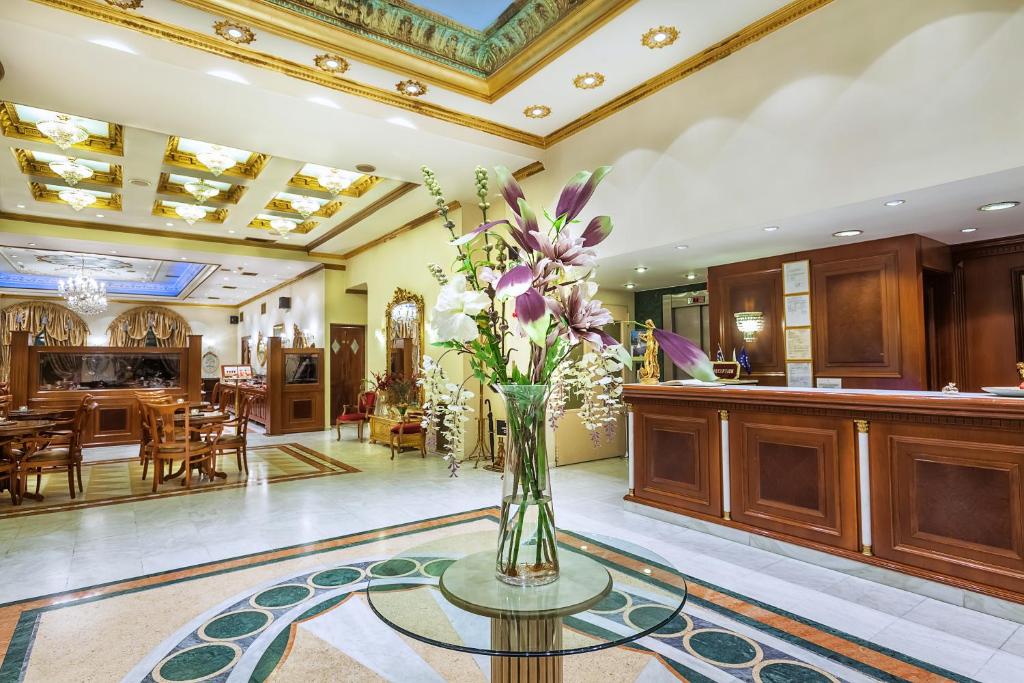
[[968, 229], [399, 121], [99, 215], [169, 225], [366, 168], [770, 228], [21, 206], [641, 269], [998, 206], [537, 111], [227, 76], [682, 246], [848, 233], [411, 88], [660, 36], [231, 232], [139, 182], [629, 285], [113, 45], [324, 102], [691, 276], [113, 251], [31, 244], [895, 202], [181, 258]]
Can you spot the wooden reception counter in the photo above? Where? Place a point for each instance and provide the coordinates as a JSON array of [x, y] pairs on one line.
[[923, 483]]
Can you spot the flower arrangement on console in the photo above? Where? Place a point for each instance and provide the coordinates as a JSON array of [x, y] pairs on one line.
[[520, 298]]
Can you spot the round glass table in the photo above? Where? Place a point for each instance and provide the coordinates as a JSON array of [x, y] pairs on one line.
[[444, 593]]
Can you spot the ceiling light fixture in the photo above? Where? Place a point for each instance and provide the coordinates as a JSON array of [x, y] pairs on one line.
[[306, 206], [201, 190], [629, 285], [62, 131], [78, 199], [236, 33], [848, 233], [190, 212], [366, 168], [21, 206], [691, 276], [216, 159], [70, 170], [537, 111], [100, 215], [335, 64], [641, 269], [968, 229], [336, 180], [770, 228], [660, 36], [749, 323], [139, 182], [283, 226], [169, 225], [682, 246], [998, 206], [411, 88], [83, 294], [589, 81], [895, 202]]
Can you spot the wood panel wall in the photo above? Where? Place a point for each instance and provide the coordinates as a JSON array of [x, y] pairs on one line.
[[867, 310]]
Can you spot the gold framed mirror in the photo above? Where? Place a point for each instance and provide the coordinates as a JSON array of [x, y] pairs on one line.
[[404, 332]]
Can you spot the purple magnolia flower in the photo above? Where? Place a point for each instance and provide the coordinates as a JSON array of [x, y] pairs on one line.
[[582, 318], [565, 249], [578, 191], [685, 354]]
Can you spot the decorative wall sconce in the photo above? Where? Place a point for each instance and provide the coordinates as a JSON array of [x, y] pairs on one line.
[[749, 323]]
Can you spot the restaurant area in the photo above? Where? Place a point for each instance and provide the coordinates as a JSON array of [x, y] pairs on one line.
[[526, 342]]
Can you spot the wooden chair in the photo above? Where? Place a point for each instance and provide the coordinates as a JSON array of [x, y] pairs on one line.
[[365, 403], [409, 433], [58, 453], [145, 435], [6, 401], [8, 471], [194, 446], [237, 441]]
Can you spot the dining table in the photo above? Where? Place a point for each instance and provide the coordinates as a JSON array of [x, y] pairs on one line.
[[26, 432], [38, 414]]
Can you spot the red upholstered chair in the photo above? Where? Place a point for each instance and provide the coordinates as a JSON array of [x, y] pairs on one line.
[[409, 433], [365, 403]]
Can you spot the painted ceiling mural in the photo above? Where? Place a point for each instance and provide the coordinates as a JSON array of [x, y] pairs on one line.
[[443, 38]]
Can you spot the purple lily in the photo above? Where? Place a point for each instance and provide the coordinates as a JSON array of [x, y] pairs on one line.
[[565, 249], [583, 319], [578, 191], [531, 309], [509, 188], [597, 231], [685, 354]]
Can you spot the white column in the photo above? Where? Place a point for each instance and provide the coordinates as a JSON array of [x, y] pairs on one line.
[[726, 505], [630, 450], [864, 475]]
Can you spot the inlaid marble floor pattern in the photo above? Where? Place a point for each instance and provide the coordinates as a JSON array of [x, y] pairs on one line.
[[47, 553]]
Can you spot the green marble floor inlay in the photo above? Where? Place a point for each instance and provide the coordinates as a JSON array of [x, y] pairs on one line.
[[335, 577], [723, 648], [437, 567], [235, 625], [198, 662], [282, 596], [396, 567], [791, 672], [613, 602]]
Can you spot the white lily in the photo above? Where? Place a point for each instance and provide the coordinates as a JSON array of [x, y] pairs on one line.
[[455, 309]]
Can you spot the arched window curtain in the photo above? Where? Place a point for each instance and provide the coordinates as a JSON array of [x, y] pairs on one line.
[[163, 325], [55, 324]]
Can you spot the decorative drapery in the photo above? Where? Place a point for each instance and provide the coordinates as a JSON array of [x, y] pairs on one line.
[[132, 328], [54, 324]]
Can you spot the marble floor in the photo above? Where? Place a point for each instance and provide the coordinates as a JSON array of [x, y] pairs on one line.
[[48, 553]]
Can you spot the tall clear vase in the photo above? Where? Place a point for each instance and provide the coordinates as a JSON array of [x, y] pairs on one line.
[[527, 546]]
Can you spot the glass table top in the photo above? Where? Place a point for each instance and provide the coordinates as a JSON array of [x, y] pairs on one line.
[[595, 604]]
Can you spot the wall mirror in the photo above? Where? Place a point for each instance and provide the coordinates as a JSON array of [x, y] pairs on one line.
[[403, 319]]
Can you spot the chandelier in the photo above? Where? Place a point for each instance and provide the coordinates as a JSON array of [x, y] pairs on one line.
[[283, 226], [749, 323], [201, 190], [306, 206], [216, 159], [336, 181], [70, 170], [83, 294], [62, 131], [190, 212], [78, 199]]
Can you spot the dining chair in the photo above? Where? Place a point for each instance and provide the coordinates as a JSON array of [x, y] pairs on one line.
[[365, 404], [409, 433], [56, 453], [145, 434], [8, 470], [194, 446], [238, 440]]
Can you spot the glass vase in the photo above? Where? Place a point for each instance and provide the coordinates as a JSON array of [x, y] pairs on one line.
[[527, 546]]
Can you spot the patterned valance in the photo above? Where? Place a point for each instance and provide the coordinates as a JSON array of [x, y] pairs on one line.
[[57, 326], [136, 325]]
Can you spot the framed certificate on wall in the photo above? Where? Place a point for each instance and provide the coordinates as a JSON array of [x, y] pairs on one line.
[[796, 277]]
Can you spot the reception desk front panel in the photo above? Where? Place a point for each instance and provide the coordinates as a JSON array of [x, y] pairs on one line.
[[920, 482]]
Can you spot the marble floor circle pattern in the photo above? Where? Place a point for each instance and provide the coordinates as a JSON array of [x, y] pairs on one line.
[[300, 614]]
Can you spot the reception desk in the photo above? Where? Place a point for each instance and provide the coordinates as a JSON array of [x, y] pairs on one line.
[[924, 483]]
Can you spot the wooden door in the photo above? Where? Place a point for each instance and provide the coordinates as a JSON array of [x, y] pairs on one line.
[[348, 364]]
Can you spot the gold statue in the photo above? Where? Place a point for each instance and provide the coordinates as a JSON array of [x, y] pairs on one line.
[[650, 371], [1020, 371]]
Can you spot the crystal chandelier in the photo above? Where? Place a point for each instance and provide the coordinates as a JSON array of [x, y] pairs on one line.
[[201, 190], [78, 199], [216, 159], [336, 181], [283, 226], [70, 170], [62, 131], [83, 294], [749, 323], [306, 206], [190, 212]]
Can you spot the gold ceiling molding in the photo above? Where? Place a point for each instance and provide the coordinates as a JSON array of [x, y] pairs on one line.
[[285, 206], [12, 126], [566, 33], [411, 225], [250, 168], [167, 187], [411, 88], [236, 33], [668, 35], [332, 64], [150, 232], [361, 215], [41, 194], [528, 170], [357, 189], [216, 216], [737, 41], [165, 302], [31, 166], [126, 4], [300, 229]]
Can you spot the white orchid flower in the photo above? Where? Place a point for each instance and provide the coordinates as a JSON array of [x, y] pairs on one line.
[[455, 309]]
